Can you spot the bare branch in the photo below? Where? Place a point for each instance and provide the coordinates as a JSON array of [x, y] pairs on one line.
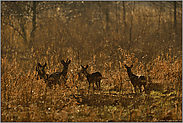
[[14, 28]]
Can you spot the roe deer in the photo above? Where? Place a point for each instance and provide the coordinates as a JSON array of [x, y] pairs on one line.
[[54, 78], [91, 78], [136, 80], [41, 72]]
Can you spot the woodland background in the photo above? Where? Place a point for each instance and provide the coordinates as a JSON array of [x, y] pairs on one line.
[[104, 35]]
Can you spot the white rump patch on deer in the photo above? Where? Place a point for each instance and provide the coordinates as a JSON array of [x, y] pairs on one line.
[[138, 76]]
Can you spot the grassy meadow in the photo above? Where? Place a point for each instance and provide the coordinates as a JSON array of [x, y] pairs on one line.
[[155, 50]]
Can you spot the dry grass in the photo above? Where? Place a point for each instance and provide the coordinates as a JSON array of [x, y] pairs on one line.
[[23, 98]]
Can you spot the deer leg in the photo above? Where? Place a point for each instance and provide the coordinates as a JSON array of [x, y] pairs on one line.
[[135, 88], [99, 84], [59, 82], [89, 88], [96, 84], [144, 87], [93, 86], [140, 88], [49, 85]]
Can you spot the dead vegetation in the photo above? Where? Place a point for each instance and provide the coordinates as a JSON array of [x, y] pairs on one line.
[[24, 98]]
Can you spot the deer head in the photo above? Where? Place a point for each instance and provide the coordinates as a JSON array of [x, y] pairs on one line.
[[128, 68], [84, 69], [41, 71], [66, 64]]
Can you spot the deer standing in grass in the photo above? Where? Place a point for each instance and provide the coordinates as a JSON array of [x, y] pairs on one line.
[[136, 80], [92, 78], [55, 78]]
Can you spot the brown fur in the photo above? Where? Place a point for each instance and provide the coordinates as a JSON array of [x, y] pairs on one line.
[[92, 78], [54, 78], [136, 80]]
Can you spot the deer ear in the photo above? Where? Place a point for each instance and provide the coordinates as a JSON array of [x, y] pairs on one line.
[[45, 65], [38, 64], [86, 66], [63, 62], [69, 62], [82, 66]]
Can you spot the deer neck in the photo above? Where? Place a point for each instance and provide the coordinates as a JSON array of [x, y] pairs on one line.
[[87, 74], [64, 72], [130, 74], [44, 76]]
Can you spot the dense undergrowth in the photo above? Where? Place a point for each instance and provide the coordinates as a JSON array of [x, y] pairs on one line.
[[24, 98], [155, 50]]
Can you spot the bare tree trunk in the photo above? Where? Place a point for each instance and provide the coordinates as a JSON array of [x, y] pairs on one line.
[[33, 23], [107, 17], [175, 14], [124, 14], [22, 26], [159, 20], [175, 23], [117, 17], [130, 38]]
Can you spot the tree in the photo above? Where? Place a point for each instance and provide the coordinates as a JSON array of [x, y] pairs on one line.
[[131, 25], [33, 22], [17, 15], [124, 14], [117, 17], [174, 14]]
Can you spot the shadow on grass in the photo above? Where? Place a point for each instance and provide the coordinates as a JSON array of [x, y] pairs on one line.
[[104, 99]]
